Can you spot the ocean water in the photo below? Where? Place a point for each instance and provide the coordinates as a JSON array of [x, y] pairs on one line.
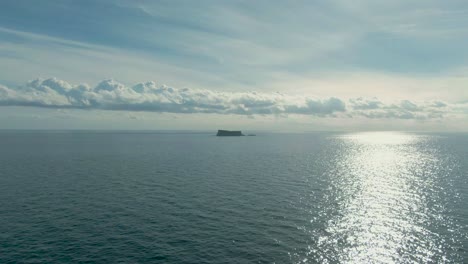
[[110, 197]]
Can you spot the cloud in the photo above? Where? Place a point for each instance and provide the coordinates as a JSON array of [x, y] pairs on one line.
[[404, 109], [112, 95], [438, 104], [365, 104], [150, 97]]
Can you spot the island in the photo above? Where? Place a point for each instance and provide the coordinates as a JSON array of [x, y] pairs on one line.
[[228, 133]]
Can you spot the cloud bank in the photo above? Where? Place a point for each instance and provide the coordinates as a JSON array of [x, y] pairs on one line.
[[112, 95], [405, 109]]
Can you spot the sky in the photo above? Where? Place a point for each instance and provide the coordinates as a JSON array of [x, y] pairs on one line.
[[250, 65]]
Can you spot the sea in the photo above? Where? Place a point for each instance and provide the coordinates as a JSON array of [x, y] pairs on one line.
[[192, 197]]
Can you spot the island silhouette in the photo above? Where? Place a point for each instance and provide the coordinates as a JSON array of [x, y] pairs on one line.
[[229, 133]]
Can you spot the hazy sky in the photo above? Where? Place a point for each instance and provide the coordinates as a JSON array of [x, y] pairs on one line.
[[280, 65]]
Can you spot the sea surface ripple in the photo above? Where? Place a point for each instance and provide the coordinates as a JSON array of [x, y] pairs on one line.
[[136, 197]]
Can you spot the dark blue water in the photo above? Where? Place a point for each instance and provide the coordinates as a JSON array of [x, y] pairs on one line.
[[106, 197]]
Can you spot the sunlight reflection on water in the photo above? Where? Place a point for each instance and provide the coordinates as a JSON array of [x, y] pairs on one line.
[[195, 198], [383, 186]]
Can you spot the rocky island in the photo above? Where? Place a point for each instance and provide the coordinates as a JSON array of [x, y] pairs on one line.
[[228, 133]]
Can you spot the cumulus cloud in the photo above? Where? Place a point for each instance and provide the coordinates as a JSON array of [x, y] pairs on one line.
[[150, 97], [404, 109], [112, 95], [365, 104]]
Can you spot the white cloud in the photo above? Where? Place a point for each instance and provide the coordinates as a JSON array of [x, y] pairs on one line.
[[149, 97], [365, 104], [112, 95], [405, 109]]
